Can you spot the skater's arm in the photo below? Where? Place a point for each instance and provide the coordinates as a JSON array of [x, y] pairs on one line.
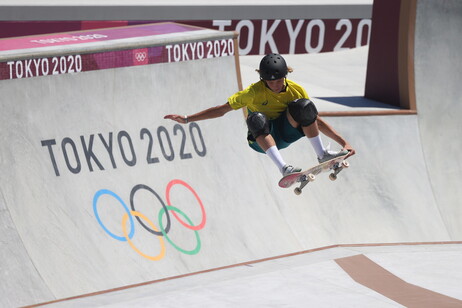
[[330, 132], [210, 113]]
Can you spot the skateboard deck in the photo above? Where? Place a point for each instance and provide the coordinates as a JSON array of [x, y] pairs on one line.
[[335, 165]]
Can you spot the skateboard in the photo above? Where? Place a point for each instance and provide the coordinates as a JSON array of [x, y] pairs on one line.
[[335, 165]]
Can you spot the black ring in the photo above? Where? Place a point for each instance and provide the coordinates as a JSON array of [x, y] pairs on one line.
[[132, 205]]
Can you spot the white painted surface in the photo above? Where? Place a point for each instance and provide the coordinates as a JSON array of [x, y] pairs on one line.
[[312, 279], [399, 189], [438, 69]]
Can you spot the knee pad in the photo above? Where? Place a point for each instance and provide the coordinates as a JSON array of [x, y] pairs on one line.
[[303, 111], [258, 124]]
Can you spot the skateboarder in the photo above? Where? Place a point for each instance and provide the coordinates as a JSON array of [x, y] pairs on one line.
[[280, 113]]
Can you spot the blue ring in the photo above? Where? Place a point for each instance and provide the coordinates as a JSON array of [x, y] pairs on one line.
[[98, 194]]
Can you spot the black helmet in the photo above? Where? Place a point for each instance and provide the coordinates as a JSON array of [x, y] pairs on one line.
[[272, 67]]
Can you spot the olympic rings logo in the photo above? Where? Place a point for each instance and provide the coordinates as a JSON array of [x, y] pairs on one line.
[[140, 56], [147, 224]]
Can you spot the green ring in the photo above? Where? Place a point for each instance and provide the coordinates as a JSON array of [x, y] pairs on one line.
[[188, 252]]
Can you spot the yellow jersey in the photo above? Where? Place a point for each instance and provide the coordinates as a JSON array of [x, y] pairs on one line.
[[259, 98]]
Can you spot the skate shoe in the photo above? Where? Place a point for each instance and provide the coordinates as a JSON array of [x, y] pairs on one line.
[[328, 155], [288, 169]]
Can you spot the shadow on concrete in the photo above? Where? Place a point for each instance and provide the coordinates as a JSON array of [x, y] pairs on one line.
[[357, 102]]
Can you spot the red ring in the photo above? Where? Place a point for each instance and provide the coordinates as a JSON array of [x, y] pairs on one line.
[[167, 195]]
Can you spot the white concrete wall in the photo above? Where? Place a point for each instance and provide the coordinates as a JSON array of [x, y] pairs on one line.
[[54, 245]]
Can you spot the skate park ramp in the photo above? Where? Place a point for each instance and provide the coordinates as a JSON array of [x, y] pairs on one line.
[[104, 203]]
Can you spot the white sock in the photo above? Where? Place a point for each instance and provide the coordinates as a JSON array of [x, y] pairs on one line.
[[276, 157], [319, 148]]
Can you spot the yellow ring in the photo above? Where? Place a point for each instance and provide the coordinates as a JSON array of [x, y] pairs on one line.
[[124, 229]]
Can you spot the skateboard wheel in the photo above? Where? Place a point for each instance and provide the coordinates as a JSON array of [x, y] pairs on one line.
[[297, 191], [332, 176], [345, 164]]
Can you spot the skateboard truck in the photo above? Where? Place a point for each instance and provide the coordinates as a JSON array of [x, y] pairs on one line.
[[337, 168], [303, 181]]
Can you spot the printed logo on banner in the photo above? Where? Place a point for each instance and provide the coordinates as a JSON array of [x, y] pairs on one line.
[[140, 56], [70, 64]]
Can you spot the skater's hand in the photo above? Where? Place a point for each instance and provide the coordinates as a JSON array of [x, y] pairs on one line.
[[350, 149], [177, 118]]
